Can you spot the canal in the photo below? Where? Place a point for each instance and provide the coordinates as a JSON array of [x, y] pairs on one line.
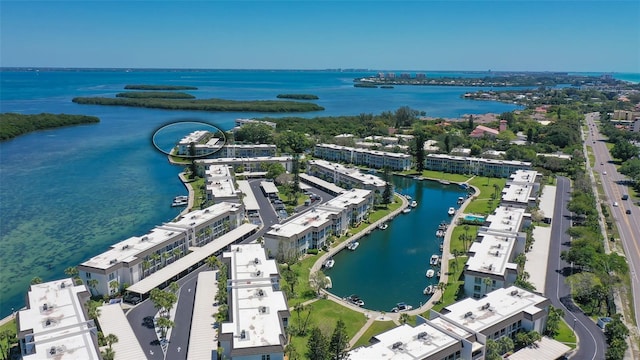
[[389, 266]]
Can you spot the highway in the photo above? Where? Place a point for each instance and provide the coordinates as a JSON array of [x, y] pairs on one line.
[[614, 188], [591, 338]]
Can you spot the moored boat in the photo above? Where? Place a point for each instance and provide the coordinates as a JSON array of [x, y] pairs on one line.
[[451, 211], [353, 245], [383, 226], [328, 264], [428, 290], [329, 283], [413, 204], [430, 273], [435, 259], [439, 233], [401, 307], [406, 210], [177, 203]]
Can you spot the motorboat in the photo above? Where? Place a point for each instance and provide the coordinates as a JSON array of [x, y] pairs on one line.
[[413, 204], [451, 211], [460, 200], [177, 203], [440, 233], [401, 307], [383, 226], [408, 197], [430, 273], [329, 263], [353, 245], [355, 300], [428, 290], [435, 259], [438, 274], [441, 247], [181, 198], [329, 283], [406, 210], [443, 226]]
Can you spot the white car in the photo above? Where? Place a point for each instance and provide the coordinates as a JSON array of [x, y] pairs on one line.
[[604, 173], [615, 204]]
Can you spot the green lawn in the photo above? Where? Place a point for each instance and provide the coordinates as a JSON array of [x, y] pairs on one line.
[[456, 243], [482, 202], [303, 290], [566, 335], [378, 327], [9, 327], [454, 285], [445, 176], [325, 315], [377, 215]]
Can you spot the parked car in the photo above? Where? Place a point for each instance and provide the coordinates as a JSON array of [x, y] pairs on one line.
[[628, 211], [625, 197], [615, 203]]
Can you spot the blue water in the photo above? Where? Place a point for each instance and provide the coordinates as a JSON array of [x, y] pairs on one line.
[[389, 266], [69, 193]]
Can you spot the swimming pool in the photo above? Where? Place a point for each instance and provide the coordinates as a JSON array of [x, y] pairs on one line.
[[474, 218]]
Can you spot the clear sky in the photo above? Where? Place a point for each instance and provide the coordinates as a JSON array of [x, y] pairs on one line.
[[553, 35]]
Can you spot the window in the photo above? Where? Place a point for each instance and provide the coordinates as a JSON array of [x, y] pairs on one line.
[[476, 288], [112, 276], [477, 280], [266, 357], [87, 275]]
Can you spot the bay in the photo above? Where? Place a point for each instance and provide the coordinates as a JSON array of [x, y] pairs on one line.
[[68, 194]]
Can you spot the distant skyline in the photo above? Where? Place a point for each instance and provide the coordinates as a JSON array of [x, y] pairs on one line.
[[515, 35]]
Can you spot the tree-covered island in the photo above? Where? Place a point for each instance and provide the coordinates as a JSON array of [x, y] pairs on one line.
[[298, 96], [155, 95], [204, 104], [12, 125], [159, 87]]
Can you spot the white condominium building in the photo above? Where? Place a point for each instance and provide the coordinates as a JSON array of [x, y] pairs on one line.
[[491, 256], [345, 177], [258, 311], [311, 229], [133, 259], [54, 326], [246, 164], [202, 141], [357, 156], [460, 330], [521, 189], [220, 183], [473, 165]]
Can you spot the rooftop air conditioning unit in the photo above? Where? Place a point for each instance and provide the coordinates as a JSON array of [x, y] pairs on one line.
[[486, 306], [396, 345], [514, 293], [468, 314]]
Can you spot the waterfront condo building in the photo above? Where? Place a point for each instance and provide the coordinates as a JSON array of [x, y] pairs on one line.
[[345, 177], [473, 165], [247, 166], [521, 189], [491, 256], [312, 229], [133, 259], [198, 143], [370, 158], [257, 308], [54, 324], [220, 185], [461, 330]]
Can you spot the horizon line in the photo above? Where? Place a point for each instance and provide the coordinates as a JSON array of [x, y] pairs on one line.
[[350, 69]]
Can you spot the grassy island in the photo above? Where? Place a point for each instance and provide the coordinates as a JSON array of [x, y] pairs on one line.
[[159, 87], [298, 96], [155, 95], [203, 104], [365, 85], [12, 125]]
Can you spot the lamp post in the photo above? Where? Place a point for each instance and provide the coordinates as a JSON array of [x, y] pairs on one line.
[[574, 324]]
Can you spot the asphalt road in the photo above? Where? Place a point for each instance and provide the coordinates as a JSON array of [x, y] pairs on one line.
[[591, 337], [628, 224]]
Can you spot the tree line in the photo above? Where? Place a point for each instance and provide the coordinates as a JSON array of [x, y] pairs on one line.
[[298, 96], [159, 87], [155, 95], [204, 104], [12, 125]]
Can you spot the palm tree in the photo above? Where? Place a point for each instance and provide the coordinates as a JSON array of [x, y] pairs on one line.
[[442, 286], [487, 282], [114, 286], [110, 340], [177, 252], [146, 264], [213, 262], [404, 318], [496, 190], [36, 280], [156, 258], [93, 284], [108, 354], [165, 257], [71, 271]]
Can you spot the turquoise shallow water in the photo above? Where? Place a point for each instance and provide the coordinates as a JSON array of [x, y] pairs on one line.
[[69, 193], [389, 266]]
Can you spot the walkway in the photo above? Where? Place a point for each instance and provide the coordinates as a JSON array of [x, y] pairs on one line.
[[538, 256]]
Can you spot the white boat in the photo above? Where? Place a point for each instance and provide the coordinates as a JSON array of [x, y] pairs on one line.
[[177, 203], [428, 290], [329, 284], [353, 245], [451, 211], [355, 300], [401, 307], [413, 204], [435, 259], [329, 263], [430, 273], [181, 198], [460, 200], [383, 226], [406, 210], [439, 233]]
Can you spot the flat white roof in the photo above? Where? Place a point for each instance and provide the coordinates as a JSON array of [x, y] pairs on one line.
[[523, 177], [364, 151], [220, 181], [331, 187], [196, 218], [545, 348], [249, 199], [519, 193], [203, 338], [127, 250], [61, 325], [154, 280], [483, 160], [491, 254], [506, 219], [255, 305], [193, 137], [503, 303], [349, 197], [240, 160], [315, 218], [353, 173], [113, 321], [405, 343], [269, 187]]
